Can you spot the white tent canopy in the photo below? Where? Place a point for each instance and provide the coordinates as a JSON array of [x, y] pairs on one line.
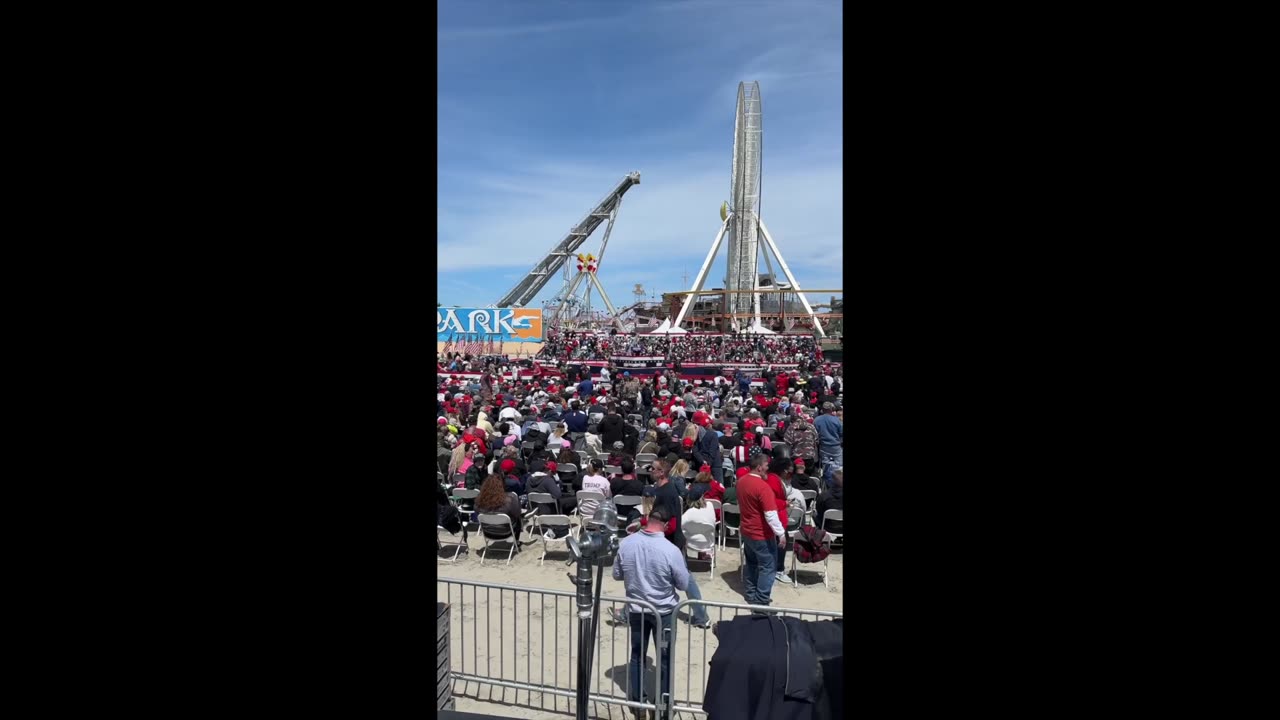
[[664, 327], [676, 331], [758, 329]]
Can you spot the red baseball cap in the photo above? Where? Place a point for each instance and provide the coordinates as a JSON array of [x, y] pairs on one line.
[[508, 465], [551, 466], [688, 442]]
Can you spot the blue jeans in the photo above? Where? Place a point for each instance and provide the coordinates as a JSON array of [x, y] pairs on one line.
[[717, 470], [697, 613], [830, 459], [761, 557], [643, 626]]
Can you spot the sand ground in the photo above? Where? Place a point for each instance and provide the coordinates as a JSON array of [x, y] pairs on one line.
[[531, 637]]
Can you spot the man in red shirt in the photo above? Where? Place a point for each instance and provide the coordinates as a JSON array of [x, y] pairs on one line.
[[761, 529]]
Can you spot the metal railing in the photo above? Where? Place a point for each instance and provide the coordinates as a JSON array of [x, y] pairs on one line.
[[687, 697], [492, 624], [502, 625]]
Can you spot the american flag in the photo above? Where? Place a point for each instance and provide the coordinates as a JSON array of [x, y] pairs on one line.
[[473, 348]]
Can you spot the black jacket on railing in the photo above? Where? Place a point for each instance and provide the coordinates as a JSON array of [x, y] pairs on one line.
[[770, 668]]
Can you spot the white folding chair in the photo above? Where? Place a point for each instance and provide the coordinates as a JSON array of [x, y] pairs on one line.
[[544, 525], [490, 525], [465, 501], [623, 504], [691, 530], [645, 459], [537, 506], [732, 522], [612, 470], [795, 521], [584, 514], [716, 506], [810, 501], [837, 515], [459, 542]]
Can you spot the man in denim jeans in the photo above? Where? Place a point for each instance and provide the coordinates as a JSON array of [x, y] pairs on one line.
[[761, 529], [651, 569], [830, 441], [666, 496]]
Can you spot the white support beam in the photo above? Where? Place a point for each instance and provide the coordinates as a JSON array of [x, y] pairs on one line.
[[604, 243], [702, 272], [791, 279], [566, 296], [617, 322]]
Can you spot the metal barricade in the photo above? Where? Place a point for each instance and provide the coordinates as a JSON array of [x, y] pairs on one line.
[[500, 634], [701, 645]]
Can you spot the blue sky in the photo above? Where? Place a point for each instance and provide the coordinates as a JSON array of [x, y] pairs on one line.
[[545, 105]]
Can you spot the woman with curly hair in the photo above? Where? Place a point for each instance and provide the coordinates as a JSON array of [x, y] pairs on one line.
[[494, 498]]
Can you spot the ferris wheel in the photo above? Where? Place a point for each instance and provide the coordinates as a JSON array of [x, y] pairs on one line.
[[742, 223]]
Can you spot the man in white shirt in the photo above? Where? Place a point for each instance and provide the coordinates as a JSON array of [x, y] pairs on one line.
[[508, 413]]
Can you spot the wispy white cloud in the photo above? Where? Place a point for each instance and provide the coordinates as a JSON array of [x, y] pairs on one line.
[[534, 132], [668, 221]]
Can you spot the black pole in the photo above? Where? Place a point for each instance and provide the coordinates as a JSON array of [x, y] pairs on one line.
[[596, 547], [583, 583]]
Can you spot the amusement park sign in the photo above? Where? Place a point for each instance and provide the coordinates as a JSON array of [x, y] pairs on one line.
[[505, 324]]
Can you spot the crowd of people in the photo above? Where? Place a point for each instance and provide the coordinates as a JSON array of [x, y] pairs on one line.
[[516, 433], [741, 348], [678, 445]]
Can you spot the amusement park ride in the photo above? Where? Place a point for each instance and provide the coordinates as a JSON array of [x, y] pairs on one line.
[[571, 306], [738, 308]]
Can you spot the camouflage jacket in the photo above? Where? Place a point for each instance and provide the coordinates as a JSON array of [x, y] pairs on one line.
[[803, 439]]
